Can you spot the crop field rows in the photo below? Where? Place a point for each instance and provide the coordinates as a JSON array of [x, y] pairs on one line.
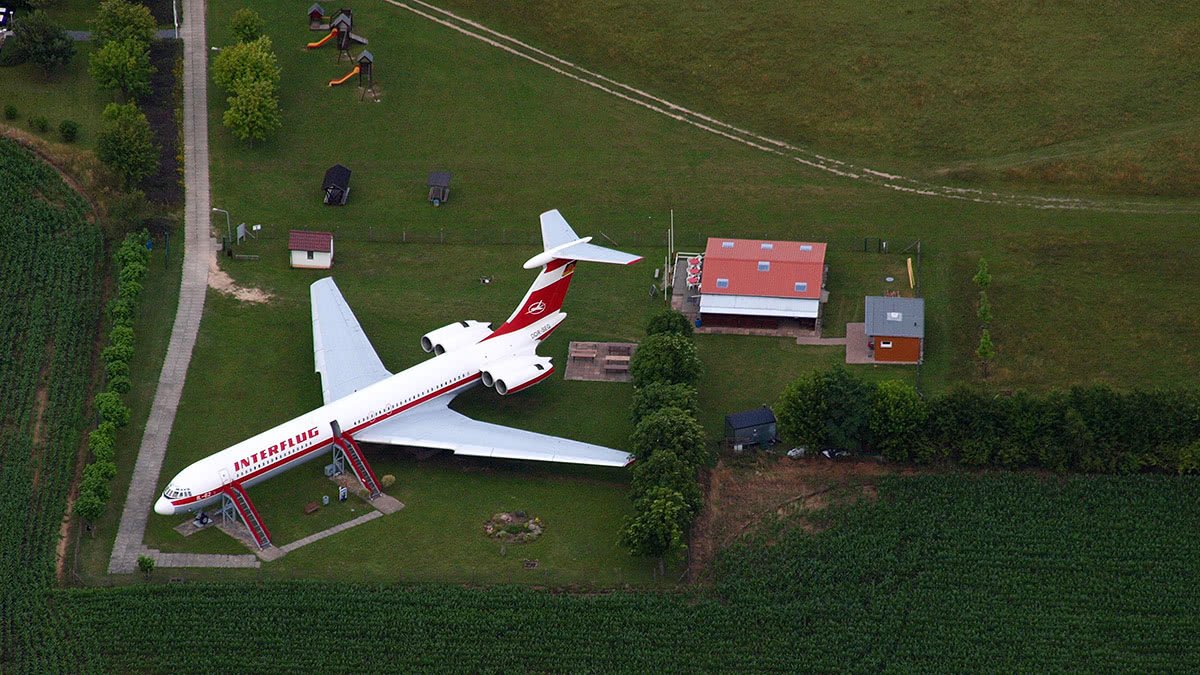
[[945, 572], [48, 309]]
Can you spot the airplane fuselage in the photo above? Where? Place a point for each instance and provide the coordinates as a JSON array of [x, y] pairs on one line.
[[310, 435]]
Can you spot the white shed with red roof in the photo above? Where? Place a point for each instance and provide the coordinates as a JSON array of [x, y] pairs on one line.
[[753, 283], [311, 250]]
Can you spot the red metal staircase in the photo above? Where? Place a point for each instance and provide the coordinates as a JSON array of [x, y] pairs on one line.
[[362, 470], [245, 508]]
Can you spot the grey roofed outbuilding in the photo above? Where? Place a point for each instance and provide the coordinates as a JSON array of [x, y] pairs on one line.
[[750, 418], [316, 9], [895, 317], [366, 56]]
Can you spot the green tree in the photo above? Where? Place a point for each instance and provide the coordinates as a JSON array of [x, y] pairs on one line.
[[39, 39], [125, 144], [665, 357], [658, 395], [253, 112], [984, 313], [89, 507], [118, 20], [122, 65], [669, 321], [672, 429], [657, 530], [145, 565], [898, 416], [832, 408], [247, 25], [665, 468], [986, 351], [246, 62], [983, 278], [112, 409]]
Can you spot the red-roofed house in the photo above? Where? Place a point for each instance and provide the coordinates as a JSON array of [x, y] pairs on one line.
[[750, 283], [312, 250]]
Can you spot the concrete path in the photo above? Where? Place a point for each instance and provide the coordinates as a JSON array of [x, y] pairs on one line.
[[143, 489], [366, 517], [86, 35], [202, 560], [820, 341]]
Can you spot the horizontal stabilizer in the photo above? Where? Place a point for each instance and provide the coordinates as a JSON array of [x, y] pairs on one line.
[[560, 242]]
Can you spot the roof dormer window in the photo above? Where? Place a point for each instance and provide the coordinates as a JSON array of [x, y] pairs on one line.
[[764, 265]]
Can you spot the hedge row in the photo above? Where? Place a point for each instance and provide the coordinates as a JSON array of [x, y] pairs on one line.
[[132, 258], [1094, 429], [667, 440]]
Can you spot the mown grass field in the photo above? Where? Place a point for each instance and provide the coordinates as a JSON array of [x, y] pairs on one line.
[[520, 140], [1090, 96]]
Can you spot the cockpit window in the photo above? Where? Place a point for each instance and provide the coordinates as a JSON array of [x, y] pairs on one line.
[[173, 492]]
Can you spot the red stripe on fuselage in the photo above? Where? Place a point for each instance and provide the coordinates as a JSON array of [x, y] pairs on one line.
[[324, 446]]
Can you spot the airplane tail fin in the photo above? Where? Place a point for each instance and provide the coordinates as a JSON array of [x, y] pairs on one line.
[[562, 248]]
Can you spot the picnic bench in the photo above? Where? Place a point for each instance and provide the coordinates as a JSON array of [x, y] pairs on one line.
[[583, 354], [311, 508]]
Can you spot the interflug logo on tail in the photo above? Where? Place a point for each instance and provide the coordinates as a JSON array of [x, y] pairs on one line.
[[537, 308]]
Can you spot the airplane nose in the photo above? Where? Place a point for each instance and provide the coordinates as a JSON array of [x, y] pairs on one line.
[[163, 507]]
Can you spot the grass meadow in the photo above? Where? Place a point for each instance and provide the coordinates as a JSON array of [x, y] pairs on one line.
[[1088, 96], [1077, 296]]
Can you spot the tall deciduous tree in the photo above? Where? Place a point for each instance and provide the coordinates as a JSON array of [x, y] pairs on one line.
[[984, 313], [657, 530], [897, 419], [986, 351], [42, 41], [124, 66], [665, 357], [982, 278], [246, 62], [119, 20], [125, 143], [253, 112], [672, 429], [832, 408], [667, 469], [247, 25]]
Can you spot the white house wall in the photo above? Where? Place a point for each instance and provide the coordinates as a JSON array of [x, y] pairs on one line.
[[747, 305]]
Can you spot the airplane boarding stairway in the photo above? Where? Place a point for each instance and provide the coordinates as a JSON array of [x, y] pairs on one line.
[[245, 508], [362, 470]]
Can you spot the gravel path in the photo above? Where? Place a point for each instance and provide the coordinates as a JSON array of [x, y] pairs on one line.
[[143, 489], [780, 148]]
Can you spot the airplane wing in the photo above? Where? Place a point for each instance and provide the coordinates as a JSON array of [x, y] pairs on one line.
[[434, 425], [344, 356]]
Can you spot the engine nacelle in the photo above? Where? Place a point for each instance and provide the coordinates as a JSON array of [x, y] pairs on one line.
[[454, 336], [513, 375]]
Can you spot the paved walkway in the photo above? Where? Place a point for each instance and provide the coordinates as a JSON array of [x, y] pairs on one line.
[[143, 489], [372, 515]]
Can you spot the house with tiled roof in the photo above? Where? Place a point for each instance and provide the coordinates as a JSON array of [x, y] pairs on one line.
[[752, 283]]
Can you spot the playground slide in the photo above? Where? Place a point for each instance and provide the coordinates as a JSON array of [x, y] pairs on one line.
[[334, 83], [318, 43]]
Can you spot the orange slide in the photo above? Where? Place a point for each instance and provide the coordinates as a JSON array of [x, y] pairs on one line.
[[318, 43], [334, 83]]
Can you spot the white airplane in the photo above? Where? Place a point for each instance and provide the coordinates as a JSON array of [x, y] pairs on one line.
[[365, 402]]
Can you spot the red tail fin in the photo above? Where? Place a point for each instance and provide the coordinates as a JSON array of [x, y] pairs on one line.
[[544, 297]]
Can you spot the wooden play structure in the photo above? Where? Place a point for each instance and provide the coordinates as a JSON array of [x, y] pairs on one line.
[[341, 30]]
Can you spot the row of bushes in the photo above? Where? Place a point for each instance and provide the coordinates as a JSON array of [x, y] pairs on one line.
[[1093, 429], [68, 130], [667, 441], [132, 259], [249, 72]]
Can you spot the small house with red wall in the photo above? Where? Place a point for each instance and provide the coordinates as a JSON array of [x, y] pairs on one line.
[[752, 283], [311, 250], [895, 329]]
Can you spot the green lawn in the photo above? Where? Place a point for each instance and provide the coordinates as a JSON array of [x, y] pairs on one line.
[[1092, 96], [1077, 296], [66, 94]]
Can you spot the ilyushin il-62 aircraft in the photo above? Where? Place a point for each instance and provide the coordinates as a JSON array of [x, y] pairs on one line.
[[365, 402]]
